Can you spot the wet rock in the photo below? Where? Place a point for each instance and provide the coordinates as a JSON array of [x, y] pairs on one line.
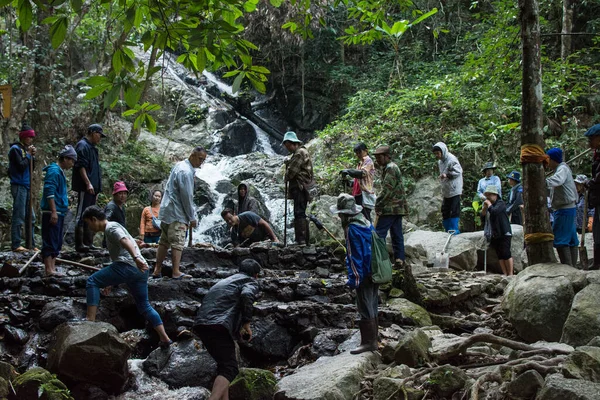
[[326, 342], [7, 371], [9, 269], [446, 380], [462, 252], [583, 323], [218, 119], [85, 391], [537, 302], [583, 363], [337, 377], [38, 380], [412, 349], [54, 314], [270, 341], [183, 364], [16, 335], [237, 138], [526, 385], [224, 186], [404, 312], [557, 387], [253, 384], [90, 352], [204, 198]]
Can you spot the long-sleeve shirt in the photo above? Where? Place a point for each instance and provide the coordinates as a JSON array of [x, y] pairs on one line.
[[563, 193], [55, 187], [18, 165], [391, 199], [513, 207], [146, 225], [299, 170], [178, 201], [485, 182], [452, 185], [87, 157]]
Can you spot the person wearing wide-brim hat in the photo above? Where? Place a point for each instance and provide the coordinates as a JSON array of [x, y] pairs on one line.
[[497, 228], [488, 179], [358, 263], [563, 198], [515, 198], [593, 136], [299, 175]]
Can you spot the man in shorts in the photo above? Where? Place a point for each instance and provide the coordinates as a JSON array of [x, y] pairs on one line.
[[177, 212], [247, 228], [225, 316]]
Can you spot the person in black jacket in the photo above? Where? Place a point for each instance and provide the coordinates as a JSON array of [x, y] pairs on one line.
[[87, 182], [225, 316], [498, 228], [515, 198], [593, 136]]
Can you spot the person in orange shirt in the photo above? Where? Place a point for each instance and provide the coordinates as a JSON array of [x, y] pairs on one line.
[[150, 224]]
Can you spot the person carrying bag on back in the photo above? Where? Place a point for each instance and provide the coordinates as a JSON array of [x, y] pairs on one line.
[[357, 230]]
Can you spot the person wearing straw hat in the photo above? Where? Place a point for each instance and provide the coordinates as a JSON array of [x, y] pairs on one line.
[[563, 197], [488, 179], [515, 198], [390, 205], [498, 231], [299, 175], [357, 230], [55, 205], [19, 157], [593, 137], [587, 221]]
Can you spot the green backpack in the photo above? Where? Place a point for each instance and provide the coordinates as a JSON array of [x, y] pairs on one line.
[[381, 265]]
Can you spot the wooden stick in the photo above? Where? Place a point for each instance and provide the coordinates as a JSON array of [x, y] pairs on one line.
[[76, 264], [28, 262]]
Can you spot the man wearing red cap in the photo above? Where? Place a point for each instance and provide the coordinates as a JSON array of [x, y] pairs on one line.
[[19, 157], [115, 209]]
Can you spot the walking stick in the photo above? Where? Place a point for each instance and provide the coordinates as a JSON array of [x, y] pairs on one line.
[[37, 253], [77, 264], [190, 238], [285, 210], [29, 217]]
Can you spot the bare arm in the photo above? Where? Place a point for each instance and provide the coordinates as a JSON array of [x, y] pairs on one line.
[[135, 254], [265, 225]]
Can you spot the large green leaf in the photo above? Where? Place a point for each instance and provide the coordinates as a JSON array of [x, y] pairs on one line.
[[25, 12], [58, 31], [237, 82]]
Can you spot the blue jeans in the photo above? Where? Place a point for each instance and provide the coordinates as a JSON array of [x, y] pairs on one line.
[[564, 228], [20, 195], [392, 223], [137, 281]]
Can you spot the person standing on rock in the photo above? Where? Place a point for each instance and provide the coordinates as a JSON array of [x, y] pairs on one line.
[[55, 205], [128, 266], [358, 262], [177, 212], [20, 155], [149, 223], [563, 197], [390, 205], [299, 175], [87, 182], [488, 179], [247, 228], [593, 136], [583, 221], [515, 198], [451, 179], [498, 232], [245, 201], [115, 209], [224, 316], [362, 186]]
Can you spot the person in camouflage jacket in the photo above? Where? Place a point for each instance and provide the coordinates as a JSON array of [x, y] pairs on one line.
[[390, 205]]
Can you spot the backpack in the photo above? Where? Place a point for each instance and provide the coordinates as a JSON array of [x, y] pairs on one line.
[[156, 222], [381, 265]]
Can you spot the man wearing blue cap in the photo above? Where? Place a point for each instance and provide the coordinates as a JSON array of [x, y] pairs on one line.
[[563, 197], [593, 136], [515, 198], [299, 175]]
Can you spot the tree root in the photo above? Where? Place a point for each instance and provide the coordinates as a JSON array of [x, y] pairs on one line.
[[488, 377]]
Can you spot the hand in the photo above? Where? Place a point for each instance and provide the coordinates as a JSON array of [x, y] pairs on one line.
[[443, 176], [90, 188], [487, 204], [141, 263], [275, 240], [247, 330], [194, 224], [106, 291], [31, 150], [344, 173], [53, 218]]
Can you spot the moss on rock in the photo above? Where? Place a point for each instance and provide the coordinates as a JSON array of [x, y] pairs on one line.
[[253, 384], [39, 380]]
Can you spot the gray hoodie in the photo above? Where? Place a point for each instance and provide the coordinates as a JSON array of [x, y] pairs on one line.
[[449, 165], [563, 192]]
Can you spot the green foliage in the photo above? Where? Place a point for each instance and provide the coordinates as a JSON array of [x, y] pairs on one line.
[[132, 161], [195, 114]]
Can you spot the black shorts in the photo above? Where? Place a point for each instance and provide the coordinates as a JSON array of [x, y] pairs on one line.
[[221, 347], [451, 207], [502, 247]]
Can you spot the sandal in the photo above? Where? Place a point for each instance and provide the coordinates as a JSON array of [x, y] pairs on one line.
[[159, 276], [182, 276], [164, 345]]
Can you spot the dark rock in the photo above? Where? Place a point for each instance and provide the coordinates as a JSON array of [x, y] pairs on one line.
[[286, 294], [446, 380], [526, 385], [225, 186], [253, 384], [90, 352], [85, 391], [583, 323], [16, 335], [385, 388], [304, 290], [237, 138], [270, 341], [54, 314], [9, 269], [203, 197], [412, 349], [388, 352], [218, 119], [558, 387], [7, 371], [183, 364], [583, 363]]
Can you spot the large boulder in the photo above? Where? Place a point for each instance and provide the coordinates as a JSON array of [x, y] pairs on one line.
[[413, 349], [38, 383], [331, 378], [425, 202], [185, 363], [402, 311], [253, 384], [270, 341], [583, 363], [583, 322], [204, 198], [54, 314], [462, 252], [90, 352], [558, 387], [447, 379], [516, 249], [237, 138], [537, 302]]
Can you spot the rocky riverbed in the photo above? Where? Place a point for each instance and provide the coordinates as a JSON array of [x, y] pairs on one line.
[[465, 340]]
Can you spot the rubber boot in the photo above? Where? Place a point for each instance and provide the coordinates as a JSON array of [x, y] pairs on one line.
[[446, 224], [79, 246], [596, 264], [453, 225], [88, 238], [574, 256], [564, 254], [368, 336], [300, 227]]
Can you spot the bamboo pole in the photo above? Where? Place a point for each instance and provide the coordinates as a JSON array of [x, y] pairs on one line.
[[77, 264], [28, 262]]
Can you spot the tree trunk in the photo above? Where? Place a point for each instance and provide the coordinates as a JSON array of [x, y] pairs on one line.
[[534, 192], [567, 28]]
